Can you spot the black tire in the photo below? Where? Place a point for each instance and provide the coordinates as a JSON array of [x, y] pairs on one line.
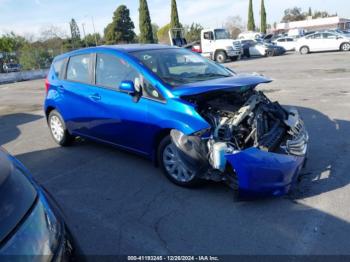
[[166, 141], [304, 50], [270, 53], [65, 139], [345, 47], [220, 57]]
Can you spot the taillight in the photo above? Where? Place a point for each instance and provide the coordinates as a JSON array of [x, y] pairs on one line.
[[47, 85]]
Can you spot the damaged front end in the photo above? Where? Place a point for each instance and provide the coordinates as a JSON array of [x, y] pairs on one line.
[[254, 145]]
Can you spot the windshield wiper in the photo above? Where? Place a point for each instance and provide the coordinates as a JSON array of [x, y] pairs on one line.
[[208, 75]]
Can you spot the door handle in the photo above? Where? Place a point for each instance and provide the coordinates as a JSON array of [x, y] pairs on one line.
[[60, 88], [95, 97]]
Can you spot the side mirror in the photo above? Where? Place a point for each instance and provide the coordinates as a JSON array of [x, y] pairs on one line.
[[127, 87]]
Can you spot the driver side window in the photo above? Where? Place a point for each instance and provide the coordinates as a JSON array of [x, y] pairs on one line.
[[209, 35], [111, 71]]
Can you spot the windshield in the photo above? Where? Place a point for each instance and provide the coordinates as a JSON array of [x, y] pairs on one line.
[[179, 66], [221, 34]]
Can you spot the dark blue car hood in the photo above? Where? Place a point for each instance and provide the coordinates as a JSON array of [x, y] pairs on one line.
[[17, 195], [226, 83]]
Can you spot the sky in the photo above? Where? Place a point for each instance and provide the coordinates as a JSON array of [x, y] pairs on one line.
[[30, 17]]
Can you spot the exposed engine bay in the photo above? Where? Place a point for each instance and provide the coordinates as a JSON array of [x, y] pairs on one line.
[[240, 120]]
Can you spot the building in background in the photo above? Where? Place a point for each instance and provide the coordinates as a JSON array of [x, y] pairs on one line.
[[315, 24]]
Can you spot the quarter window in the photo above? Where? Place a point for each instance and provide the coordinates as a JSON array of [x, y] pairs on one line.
[[57, 68], [79, 68]]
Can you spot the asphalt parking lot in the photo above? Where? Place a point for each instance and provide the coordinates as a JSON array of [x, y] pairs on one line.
[[119, 203]]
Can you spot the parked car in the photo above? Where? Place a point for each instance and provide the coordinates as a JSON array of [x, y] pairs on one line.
[[260, 48], [30, 223], [288, 43], [325, 41], [191, 116], [11, 67]]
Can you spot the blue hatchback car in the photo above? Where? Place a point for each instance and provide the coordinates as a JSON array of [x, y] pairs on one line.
[[194, 118]]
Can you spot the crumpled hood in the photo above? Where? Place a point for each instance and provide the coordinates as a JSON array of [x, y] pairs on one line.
[[226, 83]]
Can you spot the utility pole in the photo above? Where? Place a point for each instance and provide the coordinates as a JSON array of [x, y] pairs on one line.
[[83, 25], [93, 26]]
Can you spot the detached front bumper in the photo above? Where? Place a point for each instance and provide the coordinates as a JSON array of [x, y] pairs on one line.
[[265, 173]]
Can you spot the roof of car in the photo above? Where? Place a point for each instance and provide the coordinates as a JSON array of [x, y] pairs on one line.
[[126, 48], [138, 47]]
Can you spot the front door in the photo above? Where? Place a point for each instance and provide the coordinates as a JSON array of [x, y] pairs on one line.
[[121, 118]]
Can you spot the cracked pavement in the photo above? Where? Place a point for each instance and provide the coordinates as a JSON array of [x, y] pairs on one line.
[[119, 203]]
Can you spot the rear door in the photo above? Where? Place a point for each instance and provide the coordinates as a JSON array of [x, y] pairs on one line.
[[76, 94], [330, 41], [290, 44]]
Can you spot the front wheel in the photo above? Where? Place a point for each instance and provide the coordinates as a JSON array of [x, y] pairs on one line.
[[172, 166], [269, 53], [58, 129], [221, 57], [345, 47]]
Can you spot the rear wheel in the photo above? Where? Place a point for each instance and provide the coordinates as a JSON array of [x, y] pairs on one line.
[[58, 129], [220, 57], [345, 47], [304, 50], [172, 166]]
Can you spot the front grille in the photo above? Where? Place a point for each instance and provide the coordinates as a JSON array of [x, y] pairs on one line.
[[237, 45]]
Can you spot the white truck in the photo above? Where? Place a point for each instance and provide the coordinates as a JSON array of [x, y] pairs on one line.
[[215, 44]]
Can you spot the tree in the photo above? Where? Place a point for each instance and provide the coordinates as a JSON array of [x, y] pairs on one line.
[[155, 29], [75, 33], [234, 26], [193, 32], [175, 21], [293, 14], [121, 30], [163, 34], [322, 14], [263, 24], [146, 33], [251, 22], [11, 42], [310, 12], [90, 39]]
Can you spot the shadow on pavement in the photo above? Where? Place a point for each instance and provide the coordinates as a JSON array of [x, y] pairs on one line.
[[9, 125], [119, 203]]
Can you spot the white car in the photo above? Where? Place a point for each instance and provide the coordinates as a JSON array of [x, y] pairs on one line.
[[325, 41], [287, 43]]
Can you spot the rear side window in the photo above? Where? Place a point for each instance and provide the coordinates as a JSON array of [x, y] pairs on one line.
[[111, 71], [329, 36], [57, 68], [78, 69]]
